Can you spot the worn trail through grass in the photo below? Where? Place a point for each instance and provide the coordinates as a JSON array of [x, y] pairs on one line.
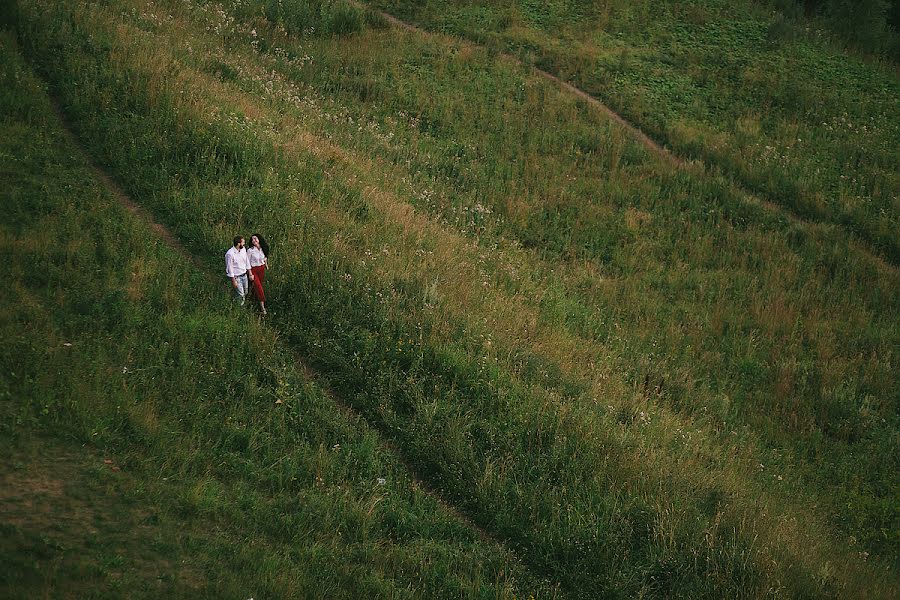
[[519, 400], [309, 372], [695, 165]]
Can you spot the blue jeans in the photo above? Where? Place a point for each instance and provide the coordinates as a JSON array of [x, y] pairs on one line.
[[243, 286]]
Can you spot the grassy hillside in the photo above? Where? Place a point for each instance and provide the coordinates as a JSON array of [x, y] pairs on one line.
[[769, 100], [643, 383], [158, 442]]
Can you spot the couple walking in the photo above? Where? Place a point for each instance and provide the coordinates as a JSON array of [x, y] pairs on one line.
[[246, 267]]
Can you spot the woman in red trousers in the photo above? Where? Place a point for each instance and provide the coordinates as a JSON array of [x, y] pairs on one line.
[[258, 254]]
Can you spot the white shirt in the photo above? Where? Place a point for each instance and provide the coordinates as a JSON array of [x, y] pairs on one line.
[[256, 257], [236, 263]]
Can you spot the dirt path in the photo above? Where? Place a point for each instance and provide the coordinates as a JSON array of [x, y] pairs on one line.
[[388, 445], [695, 166], [117, 192], [591, 100]]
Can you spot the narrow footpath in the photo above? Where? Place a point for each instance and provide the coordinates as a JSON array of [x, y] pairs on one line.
[[694, 166], [388, 445]]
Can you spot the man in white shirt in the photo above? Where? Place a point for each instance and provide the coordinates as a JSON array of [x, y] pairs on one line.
[[237, 268]]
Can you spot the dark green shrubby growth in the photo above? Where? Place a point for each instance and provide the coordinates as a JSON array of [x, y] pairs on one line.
[[867, 24], [325, 17], [8, 14]]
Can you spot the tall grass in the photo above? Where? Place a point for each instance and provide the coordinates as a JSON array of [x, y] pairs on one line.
[[248, 479], [768, 101], [575, 403], [806, 405]]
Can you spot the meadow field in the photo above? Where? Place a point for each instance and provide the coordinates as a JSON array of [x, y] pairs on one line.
[[159, 442], [765, 97], [619, 377]]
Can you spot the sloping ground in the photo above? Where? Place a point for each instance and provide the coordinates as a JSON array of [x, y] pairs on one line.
[[770, 101], [70, 530], [600, 403], [634, 132], [159, 442]]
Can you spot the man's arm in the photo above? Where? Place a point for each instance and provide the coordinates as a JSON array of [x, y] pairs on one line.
[[229, 268]]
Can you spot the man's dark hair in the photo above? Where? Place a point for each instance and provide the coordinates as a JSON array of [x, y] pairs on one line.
[[237, 240]]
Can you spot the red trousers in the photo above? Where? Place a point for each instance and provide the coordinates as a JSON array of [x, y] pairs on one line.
[[259, 275]]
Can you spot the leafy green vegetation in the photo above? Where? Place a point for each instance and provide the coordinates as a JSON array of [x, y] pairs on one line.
[[767, 100], [643, 383], [868, 24], [160, 442]]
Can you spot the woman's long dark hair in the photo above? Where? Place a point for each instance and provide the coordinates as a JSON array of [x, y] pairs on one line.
[[262, 244]]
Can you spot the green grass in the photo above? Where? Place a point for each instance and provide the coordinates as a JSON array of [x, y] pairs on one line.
[[769, 101], [639, 381], [161, 442]]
